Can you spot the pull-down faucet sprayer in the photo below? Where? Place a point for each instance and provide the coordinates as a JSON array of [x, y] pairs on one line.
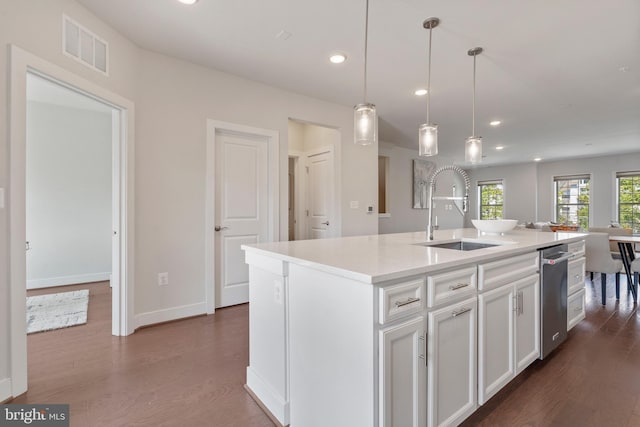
[[432, 189]]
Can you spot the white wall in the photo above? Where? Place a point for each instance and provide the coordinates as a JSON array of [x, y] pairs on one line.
[[402, 217], [519, 190], [602, 186], [68, 195], [529, 188], [173, 100]]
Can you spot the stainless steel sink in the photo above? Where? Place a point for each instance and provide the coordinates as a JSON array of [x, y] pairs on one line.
[[461, 245]]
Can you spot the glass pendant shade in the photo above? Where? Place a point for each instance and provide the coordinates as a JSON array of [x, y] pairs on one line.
[[428, 139], [365, 124], [473, 149]]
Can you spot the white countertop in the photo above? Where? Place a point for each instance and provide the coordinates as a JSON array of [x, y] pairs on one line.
[[381, 257]]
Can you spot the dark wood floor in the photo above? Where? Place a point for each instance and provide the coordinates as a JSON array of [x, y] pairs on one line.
[[184, 373], [191, 372]]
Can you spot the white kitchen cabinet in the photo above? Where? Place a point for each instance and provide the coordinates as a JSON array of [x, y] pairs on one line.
[[575, 284], [495, 341], [451, 363], [575, 275], [403, 374], [508, 333], [575, 309], [527, 319]]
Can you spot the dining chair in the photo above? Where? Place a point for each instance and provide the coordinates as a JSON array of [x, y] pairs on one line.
[[598, 259], [635, 267], [613, 231]]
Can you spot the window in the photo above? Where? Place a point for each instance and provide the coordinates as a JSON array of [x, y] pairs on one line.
[[491, 196], [572, 200], [628, 184]]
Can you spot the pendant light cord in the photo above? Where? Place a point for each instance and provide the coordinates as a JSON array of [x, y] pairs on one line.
[[473, 110], [366, 39], [429, 77]]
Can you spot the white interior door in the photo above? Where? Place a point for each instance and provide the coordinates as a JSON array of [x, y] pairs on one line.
[[241, 209], [320, 194]]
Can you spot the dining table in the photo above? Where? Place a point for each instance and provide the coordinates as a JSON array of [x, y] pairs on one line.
[[626, 245]]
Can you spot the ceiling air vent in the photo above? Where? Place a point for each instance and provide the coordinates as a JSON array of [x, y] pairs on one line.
[[84, 46]]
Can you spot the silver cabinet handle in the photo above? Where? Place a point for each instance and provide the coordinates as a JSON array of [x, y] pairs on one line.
[[325, 223], [460, 311], [458, 286], [409, 300], [520, 302], [218, 228], [423, 356]]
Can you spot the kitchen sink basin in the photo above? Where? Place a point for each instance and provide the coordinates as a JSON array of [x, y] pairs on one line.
[[461, 245]]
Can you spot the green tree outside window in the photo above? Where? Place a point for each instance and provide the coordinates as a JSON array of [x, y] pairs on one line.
[[629, 201], [491, 200]]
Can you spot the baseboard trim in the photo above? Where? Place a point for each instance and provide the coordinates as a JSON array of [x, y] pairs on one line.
[[270, 402], [169, 314], [5, 390], [264, 408], [68, 280]]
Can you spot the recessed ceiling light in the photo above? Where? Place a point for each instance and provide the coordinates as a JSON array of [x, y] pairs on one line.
[[338, 58], [189, 2], [421, 92], [537, 159], [495, 123], [499, 147]]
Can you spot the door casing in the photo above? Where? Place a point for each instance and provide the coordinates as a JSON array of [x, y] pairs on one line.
[[20, 63]]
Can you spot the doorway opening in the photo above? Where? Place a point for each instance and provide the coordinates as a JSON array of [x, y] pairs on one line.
[[312, 181], [22, 65], [69, 177]]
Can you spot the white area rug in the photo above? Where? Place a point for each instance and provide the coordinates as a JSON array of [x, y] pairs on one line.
[[55, 311]]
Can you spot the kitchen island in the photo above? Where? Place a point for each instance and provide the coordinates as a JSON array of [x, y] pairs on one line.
[[390, 330]]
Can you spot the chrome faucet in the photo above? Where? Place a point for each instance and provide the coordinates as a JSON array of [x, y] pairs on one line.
[[432, 189]]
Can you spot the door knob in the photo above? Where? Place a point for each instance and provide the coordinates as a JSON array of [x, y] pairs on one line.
[[325, 223], [218, 228]]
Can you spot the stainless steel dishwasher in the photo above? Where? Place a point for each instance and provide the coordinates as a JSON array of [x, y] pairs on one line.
[[553, 305]]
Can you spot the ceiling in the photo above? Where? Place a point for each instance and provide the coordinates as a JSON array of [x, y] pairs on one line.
[[562, 76]]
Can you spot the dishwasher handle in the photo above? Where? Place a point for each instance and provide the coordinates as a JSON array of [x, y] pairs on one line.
[[562, 256]]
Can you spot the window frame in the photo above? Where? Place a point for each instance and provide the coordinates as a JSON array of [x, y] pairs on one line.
[[556, 205], [486, 183], [621, 175]]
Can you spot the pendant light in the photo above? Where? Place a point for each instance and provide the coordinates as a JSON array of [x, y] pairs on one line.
[[428, 132], [473, 146], [365, 119]]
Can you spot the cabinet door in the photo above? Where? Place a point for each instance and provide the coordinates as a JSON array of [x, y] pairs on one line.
[[495, 341], [452, 357], [403, 376], [575, 275], [527, 321]]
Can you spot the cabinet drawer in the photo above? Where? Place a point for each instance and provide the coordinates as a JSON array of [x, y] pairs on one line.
[[497, 273], [575, 309], [401, 300], [576, 248], [575, 275], [452, 285]]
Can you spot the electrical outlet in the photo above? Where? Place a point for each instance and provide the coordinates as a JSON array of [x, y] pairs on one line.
[[163, 279]]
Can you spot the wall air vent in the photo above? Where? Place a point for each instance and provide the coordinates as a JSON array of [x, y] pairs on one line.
[[84, 46]]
